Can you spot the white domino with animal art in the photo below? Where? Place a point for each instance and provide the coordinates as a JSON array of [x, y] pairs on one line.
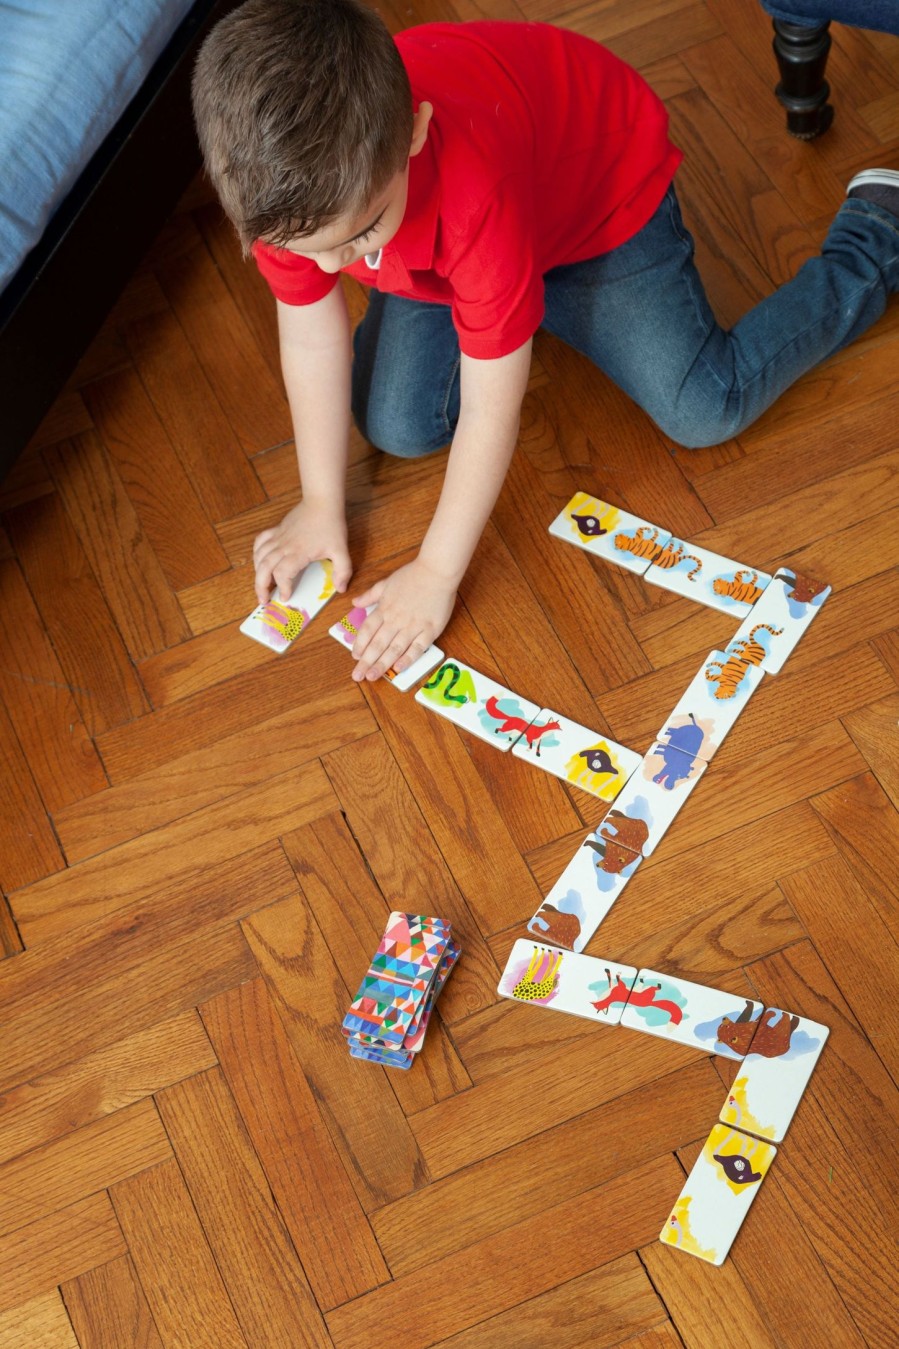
[[585, 986], [347, 629], [584, 893], [692, 1014], [578, 755], [779, 619], [646, 808], [774, 1074], [710, 706], [477, 704], [608, 532], [717, 1194], [278, 623], [708, 578]]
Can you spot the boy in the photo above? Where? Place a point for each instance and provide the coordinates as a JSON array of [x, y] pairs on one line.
[[482, 178]]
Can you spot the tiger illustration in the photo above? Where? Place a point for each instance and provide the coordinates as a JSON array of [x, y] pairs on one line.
[[641, 545], [730, 675], [751, 651], [746, 592], [672, 555]]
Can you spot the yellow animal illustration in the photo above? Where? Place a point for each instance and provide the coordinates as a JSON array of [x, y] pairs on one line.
[[672, 556], [729, 676], [737, 1112], [749, 649], [327, 579], [594, 769], [539, 979], [284, 620], [641, 545], [677, 1231], [747, 592]]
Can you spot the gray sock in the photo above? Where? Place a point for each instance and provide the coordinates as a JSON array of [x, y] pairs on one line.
[[881, 194]]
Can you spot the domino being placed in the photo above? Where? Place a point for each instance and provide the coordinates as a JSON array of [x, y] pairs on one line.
[[717, 1194], [580, 985], [479, 705], [608, 532], [278, 623], [347, 629], [774, 1074], [779, 619], [686, 569], [584, 893], [692, 1014]]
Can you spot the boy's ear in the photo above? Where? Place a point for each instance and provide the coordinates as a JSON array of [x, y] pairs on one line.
[[420, 121]]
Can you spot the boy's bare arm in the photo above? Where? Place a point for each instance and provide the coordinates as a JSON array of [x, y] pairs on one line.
[[415, 602], [316, 353]]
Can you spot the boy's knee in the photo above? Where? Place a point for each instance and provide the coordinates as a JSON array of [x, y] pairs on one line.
[[398, 436], [701, 430]]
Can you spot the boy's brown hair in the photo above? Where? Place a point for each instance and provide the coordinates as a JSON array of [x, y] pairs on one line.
[[304, 114]]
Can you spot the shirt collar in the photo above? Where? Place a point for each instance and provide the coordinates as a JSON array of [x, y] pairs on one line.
[[412, 247]]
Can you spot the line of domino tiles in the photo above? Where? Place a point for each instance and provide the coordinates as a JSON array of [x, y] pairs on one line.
[[781, 606]]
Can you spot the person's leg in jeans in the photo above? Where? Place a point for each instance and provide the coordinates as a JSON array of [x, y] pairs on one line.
[[641, 314], [406, 375]]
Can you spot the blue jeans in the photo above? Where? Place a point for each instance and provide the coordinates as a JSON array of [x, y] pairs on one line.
[[640, 313], [880, 14]]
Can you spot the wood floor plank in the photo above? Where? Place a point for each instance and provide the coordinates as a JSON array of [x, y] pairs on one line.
[[593, 1310], [80, 999], [334, 1241], [30, 849], [98, 1084], [75, 615], [10, 941], [240, 1219], [408, 865], [176, 1268], [61, 757], [376, 1144], [497, 1113], [861, 818], [81, 1163], [156, 481], [221, 474], [873, 728], [200, 720], [173, 854], [589, 1231], [557, 1164], [58, 1248], [352, 913], [126, 566], [198, 779], [251, 397], [108, 1308], [707, 1306], [42, 1323], [831, 902]]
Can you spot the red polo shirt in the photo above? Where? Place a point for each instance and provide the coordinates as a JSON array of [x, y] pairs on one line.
[[543, 149]]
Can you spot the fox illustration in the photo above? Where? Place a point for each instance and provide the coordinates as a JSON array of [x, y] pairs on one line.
[[531, 732]]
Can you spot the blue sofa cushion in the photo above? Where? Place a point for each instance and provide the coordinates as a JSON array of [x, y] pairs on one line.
[[68, 69]]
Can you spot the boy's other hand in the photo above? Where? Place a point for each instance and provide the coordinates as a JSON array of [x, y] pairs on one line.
[[414, 606], [309, 533]]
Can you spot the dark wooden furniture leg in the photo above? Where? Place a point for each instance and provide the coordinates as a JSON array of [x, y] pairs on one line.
[[801, 54]]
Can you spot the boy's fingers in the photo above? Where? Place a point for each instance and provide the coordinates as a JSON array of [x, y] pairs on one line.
[[388, 657], [414, 650], [371, 596], [364, 638]]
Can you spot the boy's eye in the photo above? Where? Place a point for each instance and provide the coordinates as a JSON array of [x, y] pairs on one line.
[[361, 238]]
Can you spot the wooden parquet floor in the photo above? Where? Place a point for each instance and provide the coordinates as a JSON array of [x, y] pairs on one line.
[[200, 841]]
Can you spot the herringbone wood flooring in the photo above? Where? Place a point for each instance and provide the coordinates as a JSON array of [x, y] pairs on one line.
[[200, 841]]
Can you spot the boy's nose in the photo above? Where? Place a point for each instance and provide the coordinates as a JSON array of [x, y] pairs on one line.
[[332, 262]]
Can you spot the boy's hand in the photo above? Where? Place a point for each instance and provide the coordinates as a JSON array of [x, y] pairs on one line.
[[414, 606], [309, 533]]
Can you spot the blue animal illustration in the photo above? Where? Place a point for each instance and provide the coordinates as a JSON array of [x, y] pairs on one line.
[[679, 755]]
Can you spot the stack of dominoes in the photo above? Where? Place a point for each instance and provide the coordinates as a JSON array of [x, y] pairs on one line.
[[390, 1013]]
